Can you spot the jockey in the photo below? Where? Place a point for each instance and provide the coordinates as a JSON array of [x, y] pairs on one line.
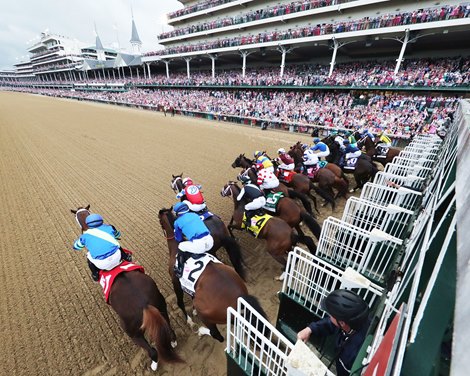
[[310, 160], [368, 133], [287, 161], [267, 180], [254, 196], [350, 137], [198, 238], [350, 151], [192, 196], [384, 143], [260, 157], [322, 150], [338, 138], [104, 251]]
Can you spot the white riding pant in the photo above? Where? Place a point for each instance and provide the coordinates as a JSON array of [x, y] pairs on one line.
[[356, 154], [325, 154], [198, 246], [288, 167], [108, 263], [274, 183], [257, 203], [195, 207]]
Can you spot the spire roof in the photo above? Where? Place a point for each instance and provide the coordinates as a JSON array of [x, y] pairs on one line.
[[135, 35]]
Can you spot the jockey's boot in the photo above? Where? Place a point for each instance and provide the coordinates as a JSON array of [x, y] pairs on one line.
[[248, 215], [126, 256], [95, 272], [181, 257]]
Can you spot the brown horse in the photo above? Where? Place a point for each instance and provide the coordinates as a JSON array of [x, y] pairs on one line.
[[218, 287], [279, 236], [371, 150], [298, 191], [135, 297], [219, 233], [290, 212], [365, 169]]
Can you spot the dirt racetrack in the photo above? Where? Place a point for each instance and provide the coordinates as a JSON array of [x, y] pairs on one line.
[[56, 155]]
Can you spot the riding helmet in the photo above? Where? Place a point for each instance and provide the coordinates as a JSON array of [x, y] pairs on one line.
[[180, 208], [316, 140], [281, 151], [94, 220], [187, 181], [345, 305], [346, 142], [258, 153]]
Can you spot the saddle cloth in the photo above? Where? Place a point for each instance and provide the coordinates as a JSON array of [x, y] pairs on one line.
[[285, 176], [312, 171], [257, 223], [272, 200], [351, 163], [205, 214], [193, 269], [107, 277]]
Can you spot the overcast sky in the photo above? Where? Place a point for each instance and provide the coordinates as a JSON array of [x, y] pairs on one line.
[[21, 21]]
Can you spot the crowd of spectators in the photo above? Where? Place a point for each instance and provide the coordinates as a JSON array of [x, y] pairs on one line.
[[387, 20], [259, 14], [197, 7], [396, 114]]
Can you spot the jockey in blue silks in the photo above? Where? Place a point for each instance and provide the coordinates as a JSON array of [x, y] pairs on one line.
[[350, 151], [322, 150], [198, 238], [369, 134], [101, 241]]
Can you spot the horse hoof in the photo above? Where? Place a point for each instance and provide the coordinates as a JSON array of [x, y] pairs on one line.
[[281, 277], [203, 331], [352, 190], [194, 312], [174, 344], [154, 366]]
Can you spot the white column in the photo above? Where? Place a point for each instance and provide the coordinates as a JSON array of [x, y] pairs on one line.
[[114, 75], [213, 58], [167, 63], [333, 58], [148, 71], [138, 75], [130, 70], [283, 60], [188, 73], [402, 51], [244, 55]]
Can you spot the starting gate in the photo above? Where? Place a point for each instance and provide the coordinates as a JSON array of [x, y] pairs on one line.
[[392, 219], [382, 194], [371, 253]]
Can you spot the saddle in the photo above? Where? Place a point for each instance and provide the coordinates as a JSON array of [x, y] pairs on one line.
[[193, 268], [285, 176], [381, 151], [312, 171], [204, 214], [258, 221], [107, 277], [350, 164]]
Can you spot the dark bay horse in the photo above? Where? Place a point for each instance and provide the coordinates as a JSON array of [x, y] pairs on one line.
[[142, 309], [279, 236], [218, 287], [365, 169], [289, 211], [297, 191], [219, 232], [371, 150]]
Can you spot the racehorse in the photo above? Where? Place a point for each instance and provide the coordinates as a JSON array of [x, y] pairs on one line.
[[219, 233], [288, 210], [279, 236], [299, 189], [371, 150], [135, 297], [365, 169], [217, 288]]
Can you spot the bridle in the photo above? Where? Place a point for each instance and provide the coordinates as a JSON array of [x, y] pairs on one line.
[[227, 191], [173, 183], [76, 215]]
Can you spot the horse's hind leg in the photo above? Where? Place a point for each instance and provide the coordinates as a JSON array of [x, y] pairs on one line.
[[212, 330], [152, 353], [180, 300]]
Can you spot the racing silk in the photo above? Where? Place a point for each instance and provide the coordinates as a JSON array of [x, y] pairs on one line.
[[368, 134], [385, 139], [352, 140], [310, 158], [100, 241], [265, 161], [193, 194], [347, 345], [250, 191], [350, 149], [286, 159], [339, 140], [190, 226], [267, 179], [320, 146]]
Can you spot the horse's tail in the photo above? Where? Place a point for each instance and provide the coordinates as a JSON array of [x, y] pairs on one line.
[[235, 255], [312, 224], [159, 332], [307, 240], [303, 198]]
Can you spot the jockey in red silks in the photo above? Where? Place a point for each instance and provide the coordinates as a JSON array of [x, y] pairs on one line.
[[287, 161], [192, 196]]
